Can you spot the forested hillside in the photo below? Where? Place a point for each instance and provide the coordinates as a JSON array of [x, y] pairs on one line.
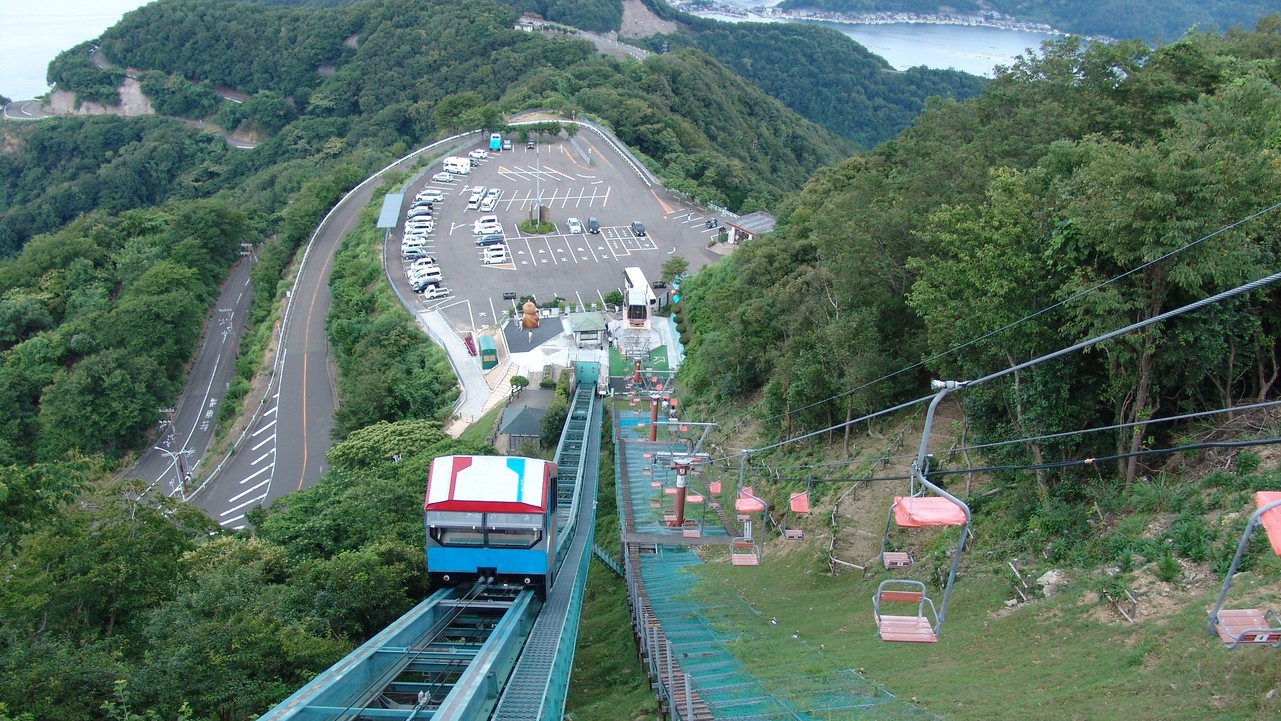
[[1166, 20], [823, 75], [396, 72], [1089, 163]]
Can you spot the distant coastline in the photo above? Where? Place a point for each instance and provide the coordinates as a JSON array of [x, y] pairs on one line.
[[772, 14]]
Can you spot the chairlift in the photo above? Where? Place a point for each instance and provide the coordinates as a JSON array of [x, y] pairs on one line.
[[916, 511], [893, 559], [743, 549], [1250, 626], [799, 505], [914, 628]]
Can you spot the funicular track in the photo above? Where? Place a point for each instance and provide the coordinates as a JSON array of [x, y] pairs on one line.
[[484, 652]]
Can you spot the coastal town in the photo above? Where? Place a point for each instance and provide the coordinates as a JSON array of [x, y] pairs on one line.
[[773, 14]]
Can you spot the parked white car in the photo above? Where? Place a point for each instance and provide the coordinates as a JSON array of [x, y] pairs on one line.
[[484, 220], [494, 254], [430, 195], [574, 225], [443, 177], [479, 154]]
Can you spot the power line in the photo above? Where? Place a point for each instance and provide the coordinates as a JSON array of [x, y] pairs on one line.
[[1093, 461], [1114, 427], [1138, 325]]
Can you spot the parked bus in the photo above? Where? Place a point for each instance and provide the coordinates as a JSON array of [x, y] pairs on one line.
[[639, 297]]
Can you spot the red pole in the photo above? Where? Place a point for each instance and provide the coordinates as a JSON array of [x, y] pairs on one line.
[[681, 469], [653, 418], [636, 378]]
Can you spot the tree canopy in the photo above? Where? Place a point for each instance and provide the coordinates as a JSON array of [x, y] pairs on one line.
[[1075, 166]]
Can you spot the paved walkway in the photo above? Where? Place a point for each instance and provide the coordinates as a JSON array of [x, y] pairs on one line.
[[552, 344]]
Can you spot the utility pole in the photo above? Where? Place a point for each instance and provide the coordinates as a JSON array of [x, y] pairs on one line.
[[178, 457], [180, 464]]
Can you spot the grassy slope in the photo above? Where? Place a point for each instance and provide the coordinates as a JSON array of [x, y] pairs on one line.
[[1059, 658], [1063, 658]]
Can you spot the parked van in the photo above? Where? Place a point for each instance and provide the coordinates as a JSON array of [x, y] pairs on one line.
[[490, 239], [593, 225], [428, 275], [411, 252], [457, 165], [495, 254], [483, 221], [477, 194]]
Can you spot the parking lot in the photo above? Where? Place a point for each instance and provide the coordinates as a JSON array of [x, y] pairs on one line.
[[580, 179]]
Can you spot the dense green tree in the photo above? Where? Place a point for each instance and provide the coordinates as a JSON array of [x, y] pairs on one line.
[[110, 558], [102, 405], [229, 643], [32, 495], [20, 316]]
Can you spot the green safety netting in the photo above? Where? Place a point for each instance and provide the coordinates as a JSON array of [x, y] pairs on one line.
[[734, 660], [644, 472]]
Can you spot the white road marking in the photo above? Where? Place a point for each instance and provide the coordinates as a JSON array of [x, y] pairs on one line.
[[257, 473], [249, 490]]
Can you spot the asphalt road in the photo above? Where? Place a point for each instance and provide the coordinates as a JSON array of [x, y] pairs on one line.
[[190, 424], [283, 448], [25, 110]]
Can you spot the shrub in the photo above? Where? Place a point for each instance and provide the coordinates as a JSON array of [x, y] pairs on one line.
[[1167, 568], [1245, 463]]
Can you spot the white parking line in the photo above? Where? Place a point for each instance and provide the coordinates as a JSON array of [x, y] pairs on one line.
[[264, 442], [554, 172], [269, 425], [258, 460], [241, 517], [563, 247]]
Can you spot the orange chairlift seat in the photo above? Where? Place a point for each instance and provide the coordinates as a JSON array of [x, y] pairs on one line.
[[916, 512], [799, 504], [742, 552], [1250, 626], [714, 490], [743, 549], [747, 503]]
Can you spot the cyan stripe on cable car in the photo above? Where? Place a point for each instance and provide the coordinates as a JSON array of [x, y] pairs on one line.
[[518, 465]]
